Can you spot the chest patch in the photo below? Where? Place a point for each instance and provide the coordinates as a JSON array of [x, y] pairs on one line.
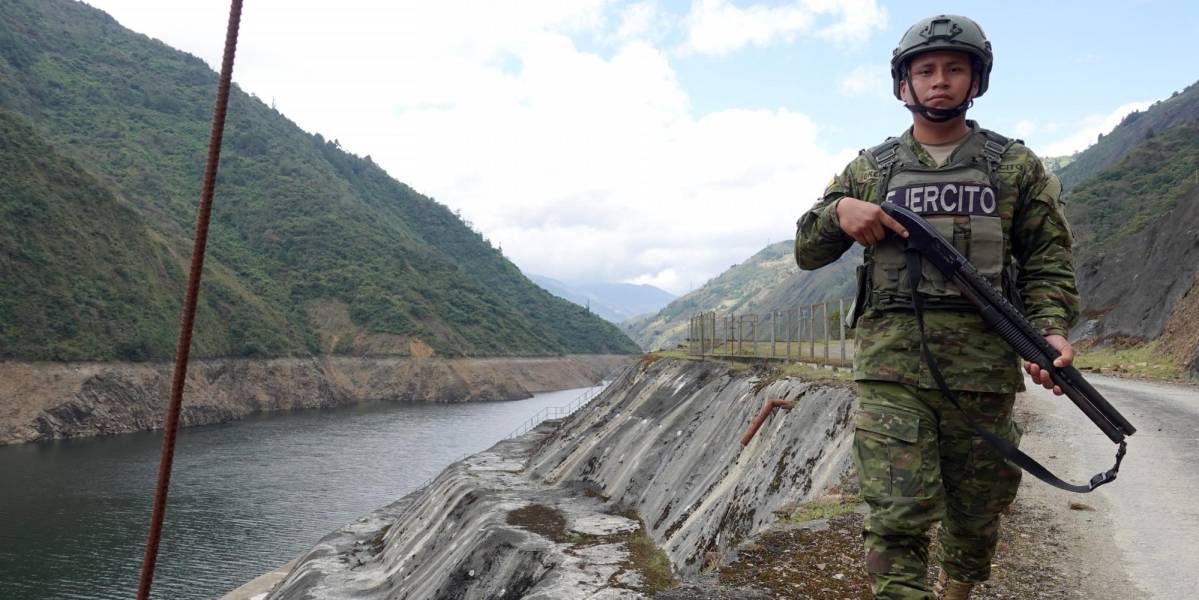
[[970, 198]]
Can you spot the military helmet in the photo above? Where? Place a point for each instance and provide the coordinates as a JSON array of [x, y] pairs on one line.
[[943, 32]]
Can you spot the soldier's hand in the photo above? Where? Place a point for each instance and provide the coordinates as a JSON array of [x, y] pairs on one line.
[[1040, 375], [865, 222]]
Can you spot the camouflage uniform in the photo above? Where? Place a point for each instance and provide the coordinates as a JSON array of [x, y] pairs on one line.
[[918, 461]]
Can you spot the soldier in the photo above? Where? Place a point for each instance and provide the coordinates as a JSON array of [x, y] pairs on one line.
[[918, 460]]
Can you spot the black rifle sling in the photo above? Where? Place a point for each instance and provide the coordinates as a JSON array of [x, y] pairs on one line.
[[1010, 452]]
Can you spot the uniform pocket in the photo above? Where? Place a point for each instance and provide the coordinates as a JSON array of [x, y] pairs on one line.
[[887, 453], [986, 246]]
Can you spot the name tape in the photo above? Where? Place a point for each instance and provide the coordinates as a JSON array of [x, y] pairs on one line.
[[945, 198]]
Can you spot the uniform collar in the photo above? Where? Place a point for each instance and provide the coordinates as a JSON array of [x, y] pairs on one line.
[[909, 141]]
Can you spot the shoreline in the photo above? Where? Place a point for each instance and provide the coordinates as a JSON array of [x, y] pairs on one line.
[[44, 401]]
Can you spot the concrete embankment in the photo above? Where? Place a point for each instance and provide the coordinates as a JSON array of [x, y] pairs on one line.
[[564, 511], [45, 401]]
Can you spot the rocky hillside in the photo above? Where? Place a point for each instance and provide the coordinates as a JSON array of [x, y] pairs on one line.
[[1136, 226], [312, 250], [765, 282], [1145, 286]]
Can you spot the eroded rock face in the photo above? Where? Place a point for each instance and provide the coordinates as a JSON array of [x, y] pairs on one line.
[[1131, 290], [553, 514], [45, 401]]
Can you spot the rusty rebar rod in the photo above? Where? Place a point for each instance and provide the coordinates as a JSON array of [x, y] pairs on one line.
[[761, 418], [188, 317]]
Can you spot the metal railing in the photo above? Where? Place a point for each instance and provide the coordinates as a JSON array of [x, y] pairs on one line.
[[810, 333], [556, 412]]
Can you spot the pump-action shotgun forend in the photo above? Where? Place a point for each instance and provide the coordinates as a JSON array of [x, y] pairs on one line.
[[1002, 317]]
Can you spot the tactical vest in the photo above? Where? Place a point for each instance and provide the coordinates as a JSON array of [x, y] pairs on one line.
[[960, 200]]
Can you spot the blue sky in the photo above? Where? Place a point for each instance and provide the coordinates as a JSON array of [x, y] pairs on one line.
[[657, 142], [1055, 61]]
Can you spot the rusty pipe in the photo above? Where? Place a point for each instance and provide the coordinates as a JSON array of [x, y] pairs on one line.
[[761, 418]]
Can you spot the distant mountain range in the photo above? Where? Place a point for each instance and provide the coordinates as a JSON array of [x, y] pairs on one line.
[[615, 302], [312, 250]]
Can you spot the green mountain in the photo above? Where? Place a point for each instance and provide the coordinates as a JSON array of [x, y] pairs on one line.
[[1135, 190], [312, 249], [1180, 107], [765, 282]]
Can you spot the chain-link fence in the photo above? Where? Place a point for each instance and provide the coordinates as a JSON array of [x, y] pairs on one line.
[[813, 333]]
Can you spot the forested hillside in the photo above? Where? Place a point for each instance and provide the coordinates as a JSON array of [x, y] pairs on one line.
[[1181, 107], [767, 281], [1136, 190], [312, 249]]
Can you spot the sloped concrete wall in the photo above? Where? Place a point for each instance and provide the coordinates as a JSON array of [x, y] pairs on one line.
[[549, 515], [667, 445]]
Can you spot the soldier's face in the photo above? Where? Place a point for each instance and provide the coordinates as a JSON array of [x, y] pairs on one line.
[[941, 79]]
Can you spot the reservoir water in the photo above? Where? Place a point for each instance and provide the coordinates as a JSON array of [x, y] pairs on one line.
[[245, 497]]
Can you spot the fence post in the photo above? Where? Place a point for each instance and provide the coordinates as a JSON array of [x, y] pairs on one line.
[[827, 338], [800, 326], [812, 332], [841, 320], [774, 328], [736, 334], [733, 335], [724, 329], [712, 347], [753, 335], [787, 334], [714, 333]]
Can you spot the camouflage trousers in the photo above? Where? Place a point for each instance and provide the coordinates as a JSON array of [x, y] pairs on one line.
[[919, 462]]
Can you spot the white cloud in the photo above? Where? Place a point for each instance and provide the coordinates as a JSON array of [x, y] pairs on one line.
[[581, 166], [857, 19], [718, 26], [642, 21], [1087, 130], [867, 79], [1025, 128]]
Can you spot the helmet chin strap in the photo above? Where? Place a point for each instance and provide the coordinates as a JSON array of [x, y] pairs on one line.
[[938, 115]]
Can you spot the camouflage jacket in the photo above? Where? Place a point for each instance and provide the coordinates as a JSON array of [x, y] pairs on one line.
[[887, 343]]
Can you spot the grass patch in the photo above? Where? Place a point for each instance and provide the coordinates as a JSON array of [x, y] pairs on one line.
[[542, 520], [1137, 359], [806, 371], [823, 508], [651, 562]]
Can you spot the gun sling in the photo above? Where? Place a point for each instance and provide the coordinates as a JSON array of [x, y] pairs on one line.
[[925, 242]]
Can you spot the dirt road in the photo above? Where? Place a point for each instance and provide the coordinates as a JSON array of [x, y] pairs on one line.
[[1139, 539]]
